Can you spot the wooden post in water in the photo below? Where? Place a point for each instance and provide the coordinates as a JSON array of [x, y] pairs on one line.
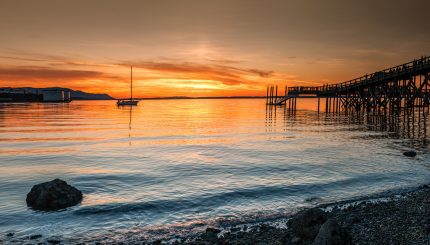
[[290, 105], [271, 94], [285, 94], [131, 83], [337, 104], [318, 104], [326, 104], [295, 104], [347, 103]]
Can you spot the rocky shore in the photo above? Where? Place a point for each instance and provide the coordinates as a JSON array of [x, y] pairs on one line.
[[396, 219], [401, 218]]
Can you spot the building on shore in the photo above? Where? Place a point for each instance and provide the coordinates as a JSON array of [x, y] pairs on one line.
[[52, 95], [19, 95], [67, 96], [34, 95]]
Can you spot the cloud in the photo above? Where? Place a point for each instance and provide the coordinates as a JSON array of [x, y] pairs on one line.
[[261, 73], [224, 61], [17, 58], [20, 55], [46, 73], [225, 74], [225, 71]]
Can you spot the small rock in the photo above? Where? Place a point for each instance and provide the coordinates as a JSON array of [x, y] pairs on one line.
[[10, 234], [211, 235], [33, 237], [306, 224], [235, 229], [53, 195], [156, 242], [213, 230], [410, 153], [331, 233], [52, 241]]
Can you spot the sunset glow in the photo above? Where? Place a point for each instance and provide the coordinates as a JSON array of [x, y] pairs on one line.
[[195, 49]]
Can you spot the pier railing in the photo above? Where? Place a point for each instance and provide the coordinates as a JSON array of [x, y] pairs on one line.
[[407, 69]]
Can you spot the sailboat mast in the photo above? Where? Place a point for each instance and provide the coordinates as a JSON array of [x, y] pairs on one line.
[[131, 82]]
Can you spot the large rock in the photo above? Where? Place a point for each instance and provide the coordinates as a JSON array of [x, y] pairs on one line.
[[307, 223], [53, 195], [331, 233]]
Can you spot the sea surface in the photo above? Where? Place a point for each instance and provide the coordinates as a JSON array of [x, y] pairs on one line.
[[168, 168]]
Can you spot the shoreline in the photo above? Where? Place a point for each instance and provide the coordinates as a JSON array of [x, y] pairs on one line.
[[391, 217], [387, 218]]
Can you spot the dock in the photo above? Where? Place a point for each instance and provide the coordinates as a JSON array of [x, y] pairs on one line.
[[403, 86]]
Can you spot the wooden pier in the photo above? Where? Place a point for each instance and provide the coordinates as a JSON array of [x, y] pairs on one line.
[[402, 86]]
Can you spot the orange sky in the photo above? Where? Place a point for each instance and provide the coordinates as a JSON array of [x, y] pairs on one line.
[[204, 48]]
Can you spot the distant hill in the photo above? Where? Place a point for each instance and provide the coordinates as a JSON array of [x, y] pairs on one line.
[[74, 94], [79, 95]]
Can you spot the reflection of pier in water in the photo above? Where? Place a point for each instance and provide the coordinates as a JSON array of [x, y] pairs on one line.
[[410, 124]]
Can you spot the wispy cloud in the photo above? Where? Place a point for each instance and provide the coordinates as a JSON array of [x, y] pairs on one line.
[[225, 74], [45, 73], [224, 61], [17, 58]]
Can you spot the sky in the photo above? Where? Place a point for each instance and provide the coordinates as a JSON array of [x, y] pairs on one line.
[[204, 47]]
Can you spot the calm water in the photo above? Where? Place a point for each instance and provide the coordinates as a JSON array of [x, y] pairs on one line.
[[173, 166]]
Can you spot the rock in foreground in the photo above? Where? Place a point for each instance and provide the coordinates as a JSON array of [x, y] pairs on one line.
[[307, 223], [331, 233], [53, 195]]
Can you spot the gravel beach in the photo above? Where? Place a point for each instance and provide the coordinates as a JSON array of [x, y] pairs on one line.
[[397, 219]]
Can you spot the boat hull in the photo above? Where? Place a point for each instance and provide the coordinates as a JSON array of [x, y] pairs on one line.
[[127, 102]]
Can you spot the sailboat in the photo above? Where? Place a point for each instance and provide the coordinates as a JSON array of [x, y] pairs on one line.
[[128, 102]]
